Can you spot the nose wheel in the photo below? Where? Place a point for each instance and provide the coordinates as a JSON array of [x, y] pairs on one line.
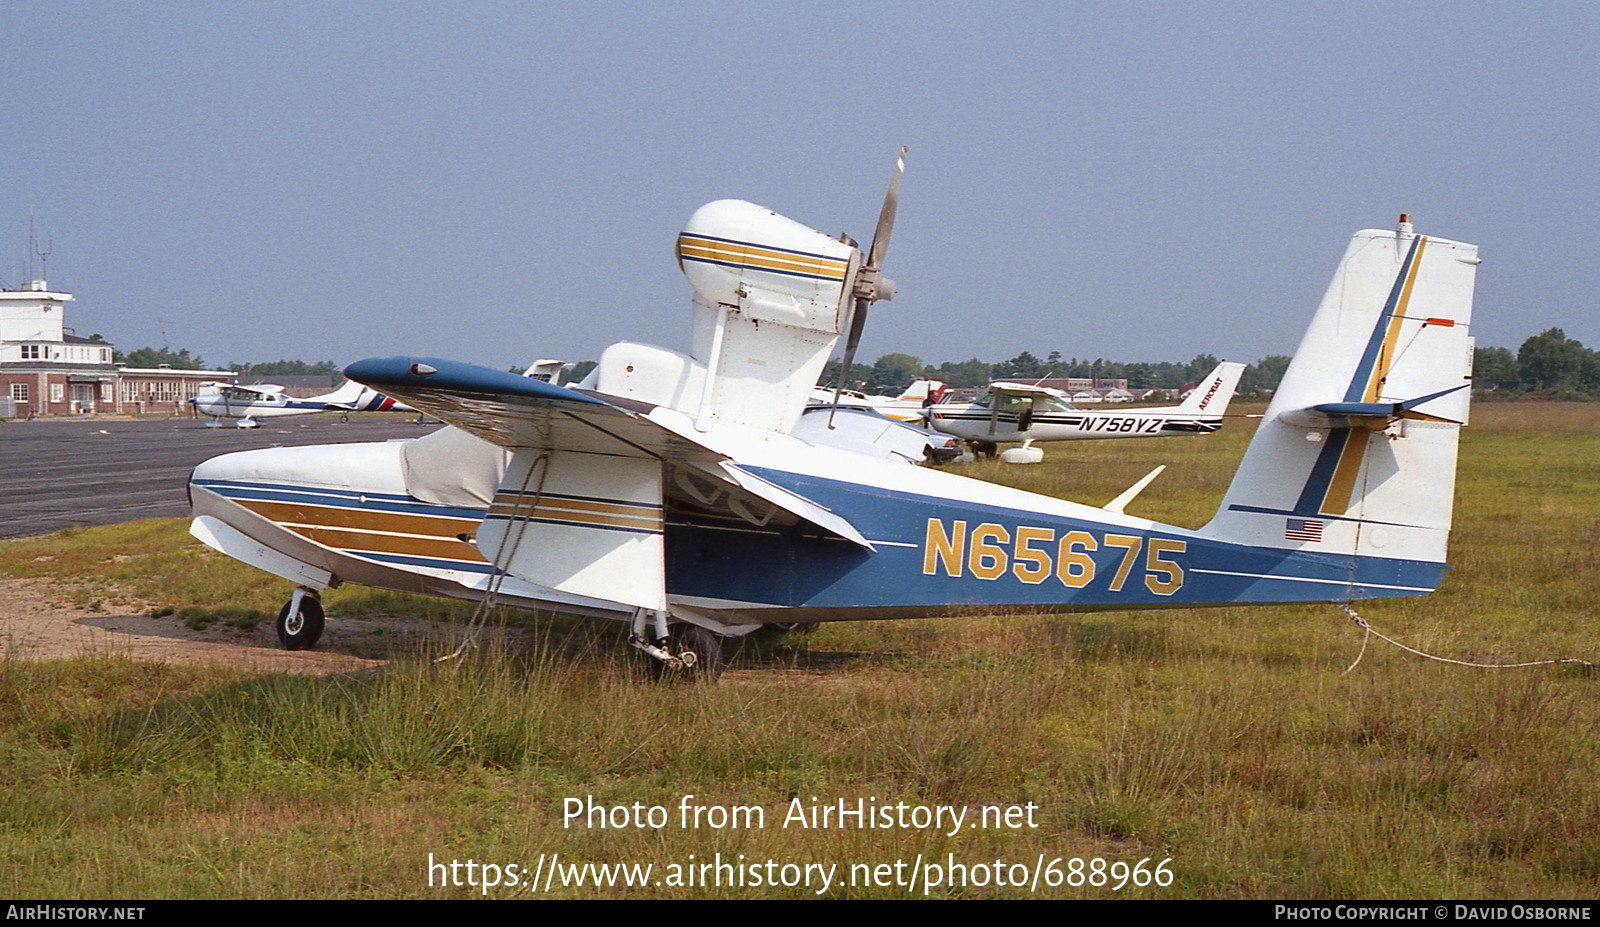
[[300, 621]]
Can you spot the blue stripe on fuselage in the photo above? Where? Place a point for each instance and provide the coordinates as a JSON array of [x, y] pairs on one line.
[[806, 568], [336, 498]]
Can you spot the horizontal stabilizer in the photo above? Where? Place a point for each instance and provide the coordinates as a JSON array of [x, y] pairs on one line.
[[1370, 415]]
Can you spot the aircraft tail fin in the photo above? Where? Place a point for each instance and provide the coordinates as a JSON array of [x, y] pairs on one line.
[[1215, 391], [545, 370], [354, 397], [346, 395], [1356, 453], [922, 389]]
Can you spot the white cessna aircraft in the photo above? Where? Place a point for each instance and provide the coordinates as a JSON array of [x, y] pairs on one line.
[[666, 492], [248, 403], [1025, 412], [910, 406]]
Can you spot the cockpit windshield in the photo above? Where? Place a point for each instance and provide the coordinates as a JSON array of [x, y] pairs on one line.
[[1017, 402]]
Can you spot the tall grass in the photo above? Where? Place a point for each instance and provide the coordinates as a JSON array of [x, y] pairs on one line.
[[1228, 740]]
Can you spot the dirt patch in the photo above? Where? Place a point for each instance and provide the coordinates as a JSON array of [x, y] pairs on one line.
[[37, 622]]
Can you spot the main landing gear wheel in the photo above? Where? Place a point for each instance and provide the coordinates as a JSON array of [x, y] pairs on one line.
[[299, 629], [699, 649]]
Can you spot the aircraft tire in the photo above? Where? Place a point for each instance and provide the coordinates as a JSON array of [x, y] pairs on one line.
[[304, 630], [684, 639]]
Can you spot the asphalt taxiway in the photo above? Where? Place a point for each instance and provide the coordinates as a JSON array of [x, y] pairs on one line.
[[55, 473]]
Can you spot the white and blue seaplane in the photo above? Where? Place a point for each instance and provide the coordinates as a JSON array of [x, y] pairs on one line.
[[667, 492]]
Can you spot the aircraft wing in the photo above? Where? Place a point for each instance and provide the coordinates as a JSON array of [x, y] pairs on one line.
[[517, 412], [255, 392], [522, 413], [1025, 389]]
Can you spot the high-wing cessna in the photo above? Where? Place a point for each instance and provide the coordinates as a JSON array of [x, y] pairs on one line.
[[665, 490], [248, 403], [1028, 413], [910, 406]]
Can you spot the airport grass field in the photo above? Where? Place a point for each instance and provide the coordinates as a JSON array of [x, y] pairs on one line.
[[1228, 747]]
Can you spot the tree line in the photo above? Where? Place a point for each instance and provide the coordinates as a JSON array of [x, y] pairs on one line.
[[892, 372], [181, 359], [1546, 362]]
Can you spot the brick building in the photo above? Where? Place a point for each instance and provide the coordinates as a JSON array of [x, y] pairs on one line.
[[46, 369]]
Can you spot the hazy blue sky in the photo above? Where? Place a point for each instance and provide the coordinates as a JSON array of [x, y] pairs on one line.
[[496, 182]]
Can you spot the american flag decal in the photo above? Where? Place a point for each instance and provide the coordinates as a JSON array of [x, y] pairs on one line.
[[1303, 529]]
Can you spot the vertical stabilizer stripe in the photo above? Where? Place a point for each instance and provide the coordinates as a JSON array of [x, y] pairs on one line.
[[1322, 472], [1379, 354], [1337, 498]]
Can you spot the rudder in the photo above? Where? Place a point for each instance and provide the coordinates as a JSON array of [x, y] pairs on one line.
[[1356, 452]]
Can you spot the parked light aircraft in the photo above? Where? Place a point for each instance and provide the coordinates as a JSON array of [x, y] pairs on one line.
[[665, 490], [1025, 412], [248, 403], [910, 406]]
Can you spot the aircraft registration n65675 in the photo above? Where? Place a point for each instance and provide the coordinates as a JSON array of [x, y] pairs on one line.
[[666, 491]]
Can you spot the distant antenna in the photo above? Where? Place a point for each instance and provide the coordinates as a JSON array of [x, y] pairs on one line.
[[44, 259]]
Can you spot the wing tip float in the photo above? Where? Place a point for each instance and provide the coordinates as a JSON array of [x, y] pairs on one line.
[[421, 377]]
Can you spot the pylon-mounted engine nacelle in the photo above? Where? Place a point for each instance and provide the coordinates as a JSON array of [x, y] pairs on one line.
[[771, 297], [766, 267]]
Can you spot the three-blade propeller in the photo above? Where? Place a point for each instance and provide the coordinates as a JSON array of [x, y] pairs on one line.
[[870, 285]]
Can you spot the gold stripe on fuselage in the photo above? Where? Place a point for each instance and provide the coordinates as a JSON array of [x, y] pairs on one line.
[[761, 258], [405, 545], [590, 512], [378, 532], [360, 519]]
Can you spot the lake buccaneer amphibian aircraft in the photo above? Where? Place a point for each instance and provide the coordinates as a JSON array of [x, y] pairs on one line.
[[665, 490]]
